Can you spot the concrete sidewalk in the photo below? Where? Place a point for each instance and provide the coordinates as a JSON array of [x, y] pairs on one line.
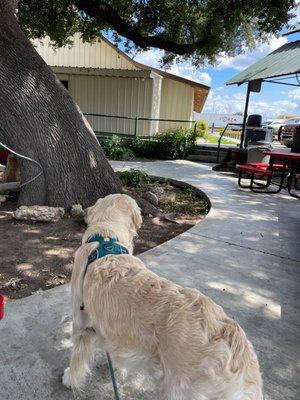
[[245, 255]]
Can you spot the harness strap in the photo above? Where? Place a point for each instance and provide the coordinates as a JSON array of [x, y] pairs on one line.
[[106, 246]]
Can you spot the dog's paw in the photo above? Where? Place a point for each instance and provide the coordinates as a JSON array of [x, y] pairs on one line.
[[66, 380]]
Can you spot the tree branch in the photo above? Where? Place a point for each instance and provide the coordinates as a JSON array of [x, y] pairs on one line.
[[100, 10]]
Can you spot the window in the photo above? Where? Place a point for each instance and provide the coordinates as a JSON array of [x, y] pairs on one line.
[[66, 84]]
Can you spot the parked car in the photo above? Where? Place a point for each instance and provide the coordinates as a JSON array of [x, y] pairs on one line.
[[266, 123], [286, 132], [275, 125]]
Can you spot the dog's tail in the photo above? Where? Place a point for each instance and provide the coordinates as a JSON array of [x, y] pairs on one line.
[[82, 355], [83, 335], [80, 318]]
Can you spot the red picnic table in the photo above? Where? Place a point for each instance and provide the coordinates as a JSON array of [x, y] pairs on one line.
[[289, 160], [286, 168]]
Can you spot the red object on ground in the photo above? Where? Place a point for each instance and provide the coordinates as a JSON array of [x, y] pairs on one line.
[[3, 156], [2, 306]]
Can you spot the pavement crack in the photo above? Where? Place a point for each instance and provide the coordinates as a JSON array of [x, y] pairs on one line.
[[248, 248]]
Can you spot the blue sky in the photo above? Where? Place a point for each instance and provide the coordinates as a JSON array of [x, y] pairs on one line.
[[273, 99]]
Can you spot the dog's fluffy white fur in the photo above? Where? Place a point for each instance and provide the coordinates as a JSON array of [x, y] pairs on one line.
[[143, 319]]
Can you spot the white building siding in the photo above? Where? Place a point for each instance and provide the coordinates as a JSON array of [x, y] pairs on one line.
[[112, 96], [98, 54], [103, 80], [176, 103]]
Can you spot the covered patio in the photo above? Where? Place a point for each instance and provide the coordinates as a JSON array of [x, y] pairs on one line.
[[282, 66]]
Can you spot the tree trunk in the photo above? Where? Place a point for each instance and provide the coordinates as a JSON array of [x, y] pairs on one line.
[[39, 119]]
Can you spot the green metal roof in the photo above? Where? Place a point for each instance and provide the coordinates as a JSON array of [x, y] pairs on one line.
[[281, 62], [293, 29]]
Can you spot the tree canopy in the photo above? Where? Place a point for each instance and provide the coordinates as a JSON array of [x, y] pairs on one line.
[[187, 29]]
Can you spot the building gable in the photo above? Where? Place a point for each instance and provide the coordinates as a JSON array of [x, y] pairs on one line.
[[98, 54]]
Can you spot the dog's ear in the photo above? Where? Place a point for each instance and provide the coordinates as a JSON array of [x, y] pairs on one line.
[[86, 214], [137, 217], [91, 211]]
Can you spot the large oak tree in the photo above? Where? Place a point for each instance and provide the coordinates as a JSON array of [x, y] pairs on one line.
[[38, 117]]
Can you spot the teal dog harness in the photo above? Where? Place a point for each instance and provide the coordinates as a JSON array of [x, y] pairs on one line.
[[105, 247]]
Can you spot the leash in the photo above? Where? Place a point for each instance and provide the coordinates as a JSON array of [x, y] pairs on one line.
[[106, 246], [28, 159], [113, 378]]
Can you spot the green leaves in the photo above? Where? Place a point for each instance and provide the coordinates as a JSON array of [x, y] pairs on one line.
[[199, 30]]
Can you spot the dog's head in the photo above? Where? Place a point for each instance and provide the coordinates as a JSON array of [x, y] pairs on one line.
[[115, 208]]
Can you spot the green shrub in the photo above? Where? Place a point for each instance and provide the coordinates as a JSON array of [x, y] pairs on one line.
[[172, 144], [142, 147], [134, 177], [115, 149], [201, 129], [176, 143]]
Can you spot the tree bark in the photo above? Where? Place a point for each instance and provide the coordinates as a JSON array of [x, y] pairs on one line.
[[40, 120]]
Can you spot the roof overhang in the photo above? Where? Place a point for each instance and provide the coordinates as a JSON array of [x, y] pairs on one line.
[[117, 73], [281, 63], [158, 71]]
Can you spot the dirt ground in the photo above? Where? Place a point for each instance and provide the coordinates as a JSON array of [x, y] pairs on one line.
[[38, 256]]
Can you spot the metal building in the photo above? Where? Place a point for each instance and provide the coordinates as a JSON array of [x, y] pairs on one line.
[[104, 80]]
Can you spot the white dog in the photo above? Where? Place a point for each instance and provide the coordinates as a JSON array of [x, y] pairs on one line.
[[141, 318]]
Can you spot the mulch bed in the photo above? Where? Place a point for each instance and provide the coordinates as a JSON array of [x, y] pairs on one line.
[[38, 256]]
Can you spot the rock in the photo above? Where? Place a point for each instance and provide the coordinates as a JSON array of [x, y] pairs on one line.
[[158, 190], [2, 199], [77, 211], [168, 197], [163, 194], [151, 197], [39, 213], [146, 207]]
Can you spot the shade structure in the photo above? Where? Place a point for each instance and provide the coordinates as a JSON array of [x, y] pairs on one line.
[[285, 61]]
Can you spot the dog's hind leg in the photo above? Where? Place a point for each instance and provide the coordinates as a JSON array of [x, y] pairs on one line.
[[82, 354], [177, 388]]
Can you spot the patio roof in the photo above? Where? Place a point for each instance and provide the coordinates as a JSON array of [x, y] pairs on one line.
[[284, 61]]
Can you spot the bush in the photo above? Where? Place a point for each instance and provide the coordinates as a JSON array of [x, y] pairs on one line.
[[176, 143], [134, 177], [142, 147], [115, 149], [201, 129], [172, 144]]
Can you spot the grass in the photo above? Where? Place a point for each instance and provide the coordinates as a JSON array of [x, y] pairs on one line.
[[187, 203], [214, 139]]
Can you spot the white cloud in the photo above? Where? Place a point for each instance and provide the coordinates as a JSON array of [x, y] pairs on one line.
[[150, 57], [294, 94], [203, 77], [296, 12], [220, 102], [184, 69], [242, 61]]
